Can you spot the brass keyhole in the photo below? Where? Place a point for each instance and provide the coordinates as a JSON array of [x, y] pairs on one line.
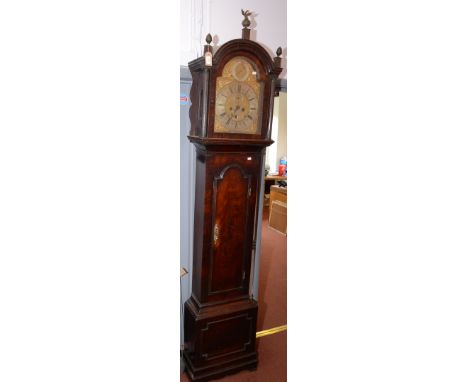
[[216, 233]]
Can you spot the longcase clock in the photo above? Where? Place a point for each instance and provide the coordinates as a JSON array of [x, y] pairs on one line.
[[232, 104]]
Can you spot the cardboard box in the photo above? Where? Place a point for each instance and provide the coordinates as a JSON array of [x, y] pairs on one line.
[[278, 216]]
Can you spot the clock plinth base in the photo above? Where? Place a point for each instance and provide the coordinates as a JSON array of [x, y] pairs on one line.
[[220, 340]]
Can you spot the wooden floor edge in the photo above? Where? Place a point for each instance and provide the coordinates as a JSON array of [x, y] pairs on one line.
[[267, 332]]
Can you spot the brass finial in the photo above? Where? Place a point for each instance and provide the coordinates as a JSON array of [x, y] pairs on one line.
[[246, 21], [277, 59], [246, 24], [208, 50]]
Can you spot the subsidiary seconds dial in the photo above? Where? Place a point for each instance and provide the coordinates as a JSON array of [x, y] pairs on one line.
[[237, 108]]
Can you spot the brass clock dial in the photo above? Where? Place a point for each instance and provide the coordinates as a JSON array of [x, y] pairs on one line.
[[238, 99], [237, 108]]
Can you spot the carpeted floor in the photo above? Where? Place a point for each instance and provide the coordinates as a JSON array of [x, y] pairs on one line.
[[271, 312]]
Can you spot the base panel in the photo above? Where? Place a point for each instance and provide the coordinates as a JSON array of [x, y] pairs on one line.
[[220, 340], [221, 370]]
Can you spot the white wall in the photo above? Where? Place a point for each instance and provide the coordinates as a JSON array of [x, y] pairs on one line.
[[194, 26], [282, 142], [279, 129], [222, 18]]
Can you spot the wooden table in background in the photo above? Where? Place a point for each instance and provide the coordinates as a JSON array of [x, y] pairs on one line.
[[270, 180]]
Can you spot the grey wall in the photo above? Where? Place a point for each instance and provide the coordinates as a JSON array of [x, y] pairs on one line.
[[187, 182]]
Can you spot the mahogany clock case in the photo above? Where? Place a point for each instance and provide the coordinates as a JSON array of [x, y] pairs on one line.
[[221, 314]]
